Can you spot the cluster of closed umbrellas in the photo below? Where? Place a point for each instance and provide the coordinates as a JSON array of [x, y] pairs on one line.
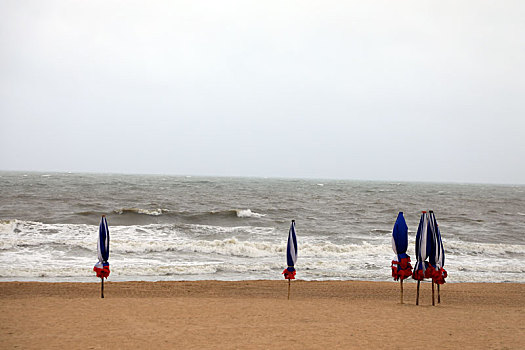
[[428, 245], [430, 254]]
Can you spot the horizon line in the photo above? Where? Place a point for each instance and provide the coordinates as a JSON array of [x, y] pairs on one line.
[[452, 182]]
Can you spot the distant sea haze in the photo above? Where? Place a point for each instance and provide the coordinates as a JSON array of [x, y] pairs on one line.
[[195, 228]]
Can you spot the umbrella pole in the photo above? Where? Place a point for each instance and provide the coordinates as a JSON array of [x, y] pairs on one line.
[[102, 287], [289, 282], [439, 296], [433, 302], [401, 291], [417, 297]]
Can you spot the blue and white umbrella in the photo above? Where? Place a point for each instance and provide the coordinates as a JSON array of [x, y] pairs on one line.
[[291, 256], [423, 247], [436, 257], [401, 267], [291, 253], [429, 245], [423, 250], [102, 266]]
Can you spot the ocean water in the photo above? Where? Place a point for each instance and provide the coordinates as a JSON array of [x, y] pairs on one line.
[[195, 228]]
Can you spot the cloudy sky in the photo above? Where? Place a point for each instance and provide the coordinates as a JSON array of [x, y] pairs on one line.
[[374, 90]]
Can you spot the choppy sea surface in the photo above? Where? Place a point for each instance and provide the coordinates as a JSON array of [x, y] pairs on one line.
[[195, 228]]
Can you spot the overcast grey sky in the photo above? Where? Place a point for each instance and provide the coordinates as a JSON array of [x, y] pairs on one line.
[[376, 90]]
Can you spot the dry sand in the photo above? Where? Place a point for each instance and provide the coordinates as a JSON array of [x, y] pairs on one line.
[[257, 315]]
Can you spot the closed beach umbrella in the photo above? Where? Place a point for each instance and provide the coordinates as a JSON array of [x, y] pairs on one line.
[[423, 250], [102, 266], [291, 256], [291, 253], [401, 267], [436, 257], [423, 247]]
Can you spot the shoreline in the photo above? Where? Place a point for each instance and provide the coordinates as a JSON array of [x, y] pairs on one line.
[[94, 281], [257, 315]]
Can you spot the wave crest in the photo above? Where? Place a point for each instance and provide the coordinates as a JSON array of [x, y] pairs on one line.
[[247, 213], [152, 212]]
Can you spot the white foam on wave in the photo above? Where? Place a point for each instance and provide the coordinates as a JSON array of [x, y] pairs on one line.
[[40, 251], [152, 212], [209, 230], [331, 250], [247, 213], [483, 249], [231, 247], [165, 269], [18, 233]]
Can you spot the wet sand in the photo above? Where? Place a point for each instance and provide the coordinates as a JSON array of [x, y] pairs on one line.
[[257, 315]]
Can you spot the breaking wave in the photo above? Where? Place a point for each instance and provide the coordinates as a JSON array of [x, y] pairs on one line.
[[152, 212], [247, 213], [483, 249], [194, 251], [182, 215]]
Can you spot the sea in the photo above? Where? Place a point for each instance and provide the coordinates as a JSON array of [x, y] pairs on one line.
[[172, 228]]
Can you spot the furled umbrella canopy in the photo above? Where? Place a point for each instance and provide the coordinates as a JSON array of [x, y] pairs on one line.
[[423, 247], [437, 255], [291, 253], [102, 266], [401, 267]]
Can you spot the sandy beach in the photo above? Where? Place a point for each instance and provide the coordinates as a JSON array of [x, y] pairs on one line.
[[257, 315]]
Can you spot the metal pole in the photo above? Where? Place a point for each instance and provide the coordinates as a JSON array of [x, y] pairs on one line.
[[401, 291], [417, 297], [433, 302]]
